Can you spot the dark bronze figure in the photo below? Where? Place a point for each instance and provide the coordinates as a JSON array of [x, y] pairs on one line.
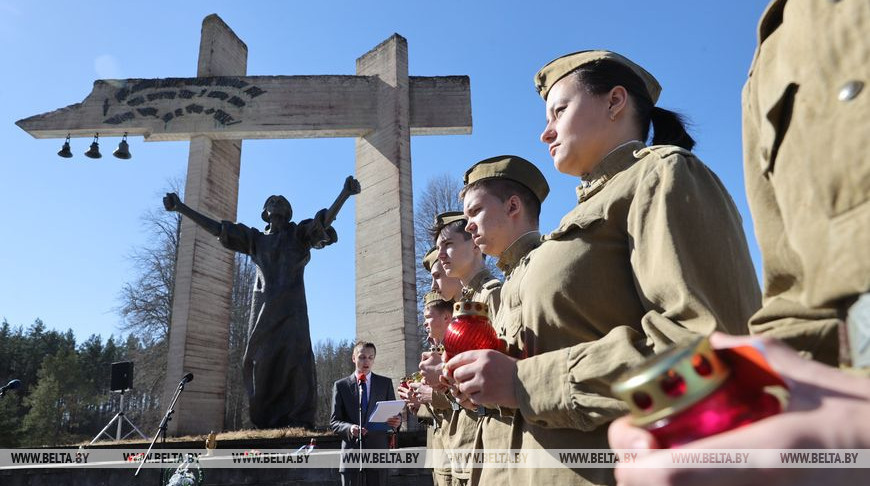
[[278, 363]]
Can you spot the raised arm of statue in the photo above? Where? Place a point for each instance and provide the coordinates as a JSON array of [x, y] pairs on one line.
[[173, 203], [319, 230], [350, 188]]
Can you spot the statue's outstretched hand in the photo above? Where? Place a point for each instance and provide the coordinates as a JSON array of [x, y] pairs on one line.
[[351, 185], [171, 201]]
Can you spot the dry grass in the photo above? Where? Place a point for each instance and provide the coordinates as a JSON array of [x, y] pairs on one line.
[[247, 434]]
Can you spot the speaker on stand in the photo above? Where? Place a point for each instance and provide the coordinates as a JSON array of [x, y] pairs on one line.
[[121, 381]]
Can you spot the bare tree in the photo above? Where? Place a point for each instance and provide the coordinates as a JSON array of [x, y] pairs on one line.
[[146, 308], [244, 278], [146, 302], [441, 194]]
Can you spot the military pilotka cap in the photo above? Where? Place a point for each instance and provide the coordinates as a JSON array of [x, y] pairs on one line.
[[510, 167], [561, 67], [446, 218], [430, 258], [431, 297]]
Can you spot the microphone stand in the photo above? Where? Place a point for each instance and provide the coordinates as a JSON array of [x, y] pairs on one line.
[[164, 423], [362, 389]]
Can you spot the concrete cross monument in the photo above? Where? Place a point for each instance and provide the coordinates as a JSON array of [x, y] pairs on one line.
[[381, 106]]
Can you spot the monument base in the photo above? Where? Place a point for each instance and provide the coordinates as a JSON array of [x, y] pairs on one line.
[[223, 477]]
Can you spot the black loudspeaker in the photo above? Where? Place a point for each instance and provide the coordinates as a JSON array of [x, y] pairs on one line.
[[122, 376]]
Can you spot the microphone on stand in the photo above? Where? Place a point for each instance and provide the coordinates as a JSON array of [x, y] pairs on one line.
[[161, 429], [363, 403], [363, 400], [13, 384]]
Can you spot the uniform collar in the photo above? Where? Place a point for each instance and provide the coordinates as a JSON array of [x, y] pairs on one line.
[[771, 19], [613, 163], [476, 282], [517, 250]]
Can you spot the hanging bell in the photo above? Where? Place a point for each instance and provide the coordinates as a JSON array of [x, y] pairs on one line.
[[123, 150], [94, 151], [65, 151]]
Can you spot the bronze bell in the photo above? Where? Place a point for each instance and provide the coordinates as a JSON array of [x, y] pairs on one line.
[[65, 151], [94, 151], [123, 150]]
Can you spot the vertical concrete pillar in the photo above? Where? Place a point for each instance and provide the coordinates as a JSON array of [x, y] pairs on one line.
[[198, 337], [385, 283]]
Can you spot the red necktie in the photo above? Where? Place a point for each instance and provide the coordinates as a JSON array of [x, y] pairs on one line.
[[365, 397]]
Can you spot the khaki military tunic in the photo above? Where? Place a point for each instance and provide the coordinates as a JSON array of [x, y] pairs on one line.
[[437, 417], [482, 287], [494, 428], [653, 255], [806, 118]]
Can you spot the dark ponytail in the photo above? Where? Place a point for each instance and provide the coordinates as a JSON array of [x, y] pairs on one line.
[[669, 128], [600, 76]]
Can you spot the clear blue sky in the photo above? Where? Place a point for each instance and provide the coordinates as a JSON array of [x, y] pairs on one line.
[[69, 224]]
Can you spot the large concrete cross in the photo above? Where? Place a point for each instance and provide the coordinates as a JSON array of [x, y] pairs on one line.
[[381, 106]]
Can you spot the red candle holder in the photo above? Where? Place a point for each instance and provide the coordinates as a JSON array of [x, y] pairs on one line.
[[415, 377], [690, 392], [470, 329]]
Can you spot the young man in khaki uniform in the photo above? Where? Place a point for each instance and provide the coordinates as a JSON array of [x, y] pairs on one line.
[[502, 201], [462, 259], [450, 288], [653, 254], [432, 405], [429, 405]]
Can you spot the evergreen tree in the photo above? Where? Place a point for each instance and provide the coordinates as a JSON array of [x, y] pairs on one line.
[[332, 361], [11, 414], [45, 420]]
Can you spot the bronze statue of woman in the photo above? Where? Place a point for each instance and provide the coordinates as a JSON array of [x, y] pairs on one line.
[[278, 368]]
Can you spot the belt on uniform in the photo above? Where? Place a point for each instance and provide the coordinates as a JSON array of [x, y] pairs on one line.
[[494, 412]]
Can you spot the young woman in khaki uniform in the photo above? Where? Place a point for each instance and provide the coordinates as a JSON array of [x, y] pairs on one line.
[[652, 255]]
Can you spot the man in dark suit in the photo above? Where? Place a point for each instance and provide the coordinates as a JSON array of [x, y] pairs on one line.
[[345, 418]]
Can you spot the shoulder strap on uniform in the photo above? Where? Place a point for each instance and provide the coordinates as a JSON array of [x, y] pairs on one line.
[[662, 151]]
